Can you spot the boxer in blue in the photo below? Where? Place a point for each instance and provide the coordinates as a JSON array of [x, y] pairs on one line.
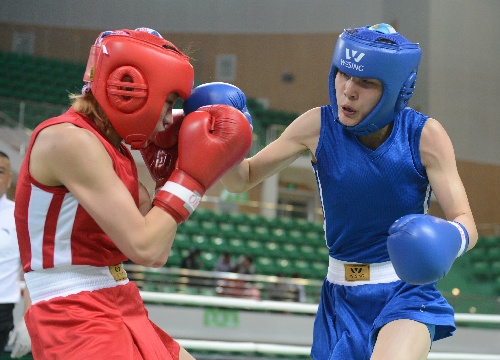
[[376, 162]]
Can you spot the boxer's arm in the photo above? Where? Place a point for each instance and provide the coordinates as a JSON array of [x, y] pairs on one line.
[[438, 157], [299, 137], [144, 199], [423, 248], [74, 157]]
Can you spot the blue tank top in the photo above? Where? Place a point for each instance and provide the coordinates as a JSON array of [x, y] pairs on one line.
[[364, 191]]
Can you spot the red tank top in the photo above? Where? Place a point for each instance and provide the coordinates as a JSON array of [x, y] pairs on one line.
[[53, 229]]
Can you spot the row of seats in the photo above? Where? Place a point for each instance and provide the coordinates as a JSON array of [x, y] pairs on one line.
[[50, 80], [277, 245], [484, 260], [39, 79], [289, 246]]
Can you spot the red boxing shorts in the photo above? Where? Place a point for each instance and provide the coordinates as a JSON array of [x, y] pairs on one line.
[[110, 323]]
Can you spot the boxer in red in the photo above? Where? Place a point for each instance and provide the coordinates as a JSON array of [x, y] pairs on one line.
[[81, 211]]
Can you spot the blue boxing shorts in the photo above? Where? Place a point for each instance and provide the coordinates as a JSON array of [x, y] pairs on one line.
[[349, 317]]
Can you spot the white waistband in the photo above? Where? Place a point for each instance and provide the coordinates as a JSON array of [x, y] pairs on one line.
[[67, 280], [339, 271]]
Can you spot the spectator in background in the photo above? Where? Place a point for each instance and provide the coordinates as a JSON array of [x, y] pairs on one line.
[[225, 263], [244, 265], [10, 271], [280, 290], [298, 290], [285, 289], [192, 260]]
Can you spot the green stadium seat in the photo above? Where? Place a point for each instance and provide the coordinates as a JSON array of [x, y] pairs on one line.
[[323, 252], [495, 268], [208, 259], [290, 251], [497, 285], [255, 219], [302, 225], [481, 269], [286, 223], [477, 254], [490, 241], [182, 241], [272, 249], [237, 218], [201, 242], [208, 227], [219, 244], [255, 247], [300, 266], [262, 232], [320, 269], [279, 234], [296, 237], [174, 258], [191, 226], [266, 266], [308, 252], [236, 246], [202, 214], [313, 237], [227, 230], [493, 253], [284, 266], [244, 231]]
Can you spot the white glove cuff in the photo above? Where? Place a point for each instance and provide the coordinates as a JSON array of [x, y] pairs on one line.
[[464, 235], [190, 198]]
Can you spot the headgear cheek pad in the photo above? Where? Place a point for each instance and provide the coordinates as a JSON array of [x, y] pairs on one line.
[[377, 52], [131, 73]]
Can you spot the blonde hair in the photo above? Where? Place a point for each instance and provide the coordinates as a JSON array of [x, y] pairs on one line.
[[88, 105]]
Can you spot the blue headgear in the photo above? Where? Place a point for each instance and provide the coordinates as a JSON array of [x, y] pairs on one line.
[[377, 52]]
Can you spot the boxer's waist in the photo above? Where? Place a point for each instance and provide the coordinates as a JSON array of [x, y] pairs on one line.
[[67, 280], [353, 274]]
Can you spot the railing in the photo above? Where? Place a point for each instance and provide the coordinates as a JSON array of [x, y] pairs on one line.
[[263, 287], [224, 284], [285, 307]]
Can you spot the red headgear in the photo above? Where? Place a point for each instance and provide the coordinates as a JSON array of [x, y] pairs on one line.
[[131, 74]]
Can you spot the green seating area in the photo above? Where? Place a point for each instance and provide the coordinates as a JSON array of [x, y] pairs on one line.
[[485, 260], [297, 247], [39, 79], [49, 81], [278, 246]]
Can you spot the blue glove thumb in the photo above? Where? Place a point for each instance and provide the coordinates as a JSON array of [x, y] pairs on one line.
[[217, 93]]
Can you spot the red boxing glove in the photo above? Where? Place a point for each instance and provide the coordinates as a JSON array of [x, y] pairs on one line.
[[212, 140], [160, 154]]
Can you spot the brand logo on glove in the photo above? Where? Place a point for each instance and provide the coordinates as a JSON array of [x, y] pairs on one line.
[[357, 272], [193, 201]]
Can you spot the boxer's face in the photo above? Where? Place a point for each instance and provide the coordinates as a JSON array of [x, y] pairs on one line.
[[166, 113], [356, 97]]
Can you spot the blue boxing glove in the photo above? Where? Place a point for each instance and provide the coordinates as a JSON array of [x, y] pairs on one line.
[[422, 248], [217, 93]]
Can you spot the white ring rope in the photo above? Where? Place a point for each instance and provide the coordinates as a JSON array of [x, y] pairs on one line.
[[269, 305]]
